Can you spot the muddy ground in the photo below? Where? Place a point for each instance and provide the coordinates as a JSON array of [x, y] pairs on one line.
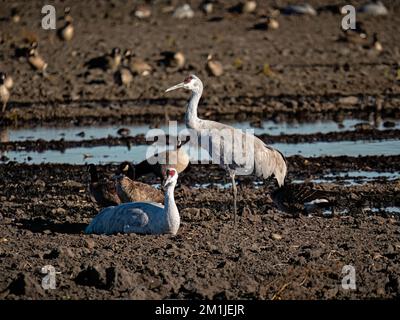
[[270, 255]]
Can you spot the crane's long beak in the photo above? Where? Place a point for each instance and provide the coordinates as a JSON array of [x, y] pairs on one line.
[[179, 85]]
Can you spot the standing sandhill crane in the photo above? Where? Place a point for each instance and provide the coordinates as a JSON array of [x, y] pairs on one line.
[[157, 164], [141, 217], [266, 161]]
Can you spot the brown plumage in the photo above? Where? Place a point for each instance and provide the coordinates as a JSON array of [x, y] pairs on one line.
[[36, 61], [157, 164], [4, 92], [302, 199], [66, 33], [137, 65], [171, 59], [103, 192], [9, 82], [214, 67], [135, 191], [106, 62], [124, 76]]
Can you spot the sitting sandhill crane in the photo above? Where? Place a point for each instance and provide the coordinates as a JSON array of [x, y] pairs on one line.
[[141, 217], [133, 191], [266, 161], [102, 192], [176, 158]]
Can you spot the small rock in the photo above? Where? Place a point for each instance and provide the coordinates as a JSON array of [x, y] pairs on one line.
[[67, 252], [249, 6], [143, 12], [300, 9], [363, 126], [89, 243], [276, 236], [60, 211], [183, 12], [374, 8], [351, 100]]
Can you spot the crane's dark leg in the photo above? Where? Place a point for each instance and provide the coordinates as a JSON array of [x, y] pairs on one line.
[[232, 174], [4, 107]]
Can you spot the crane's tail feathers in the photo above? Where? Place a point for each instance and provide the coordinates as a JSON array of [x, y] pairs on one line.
[[270, 162], [280, 168]]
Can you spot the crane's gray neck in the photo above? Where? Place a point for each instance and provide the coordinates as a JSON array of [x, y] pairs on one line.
[[191, 118], [171, 211]]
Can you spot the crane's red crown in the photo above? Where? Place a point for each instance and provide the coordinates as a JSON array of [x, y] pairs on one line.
[[188, 79]]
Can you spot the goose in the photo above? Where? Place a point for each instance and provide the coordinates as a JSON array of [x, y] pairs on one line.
[[4, 91], [132, 191], [106, 62], [66, 33], [302, 199], [157, 164], [137, 65], [35, 59], [103, 192], [124, 76], [171, 59], [214, 67], [141, 217]]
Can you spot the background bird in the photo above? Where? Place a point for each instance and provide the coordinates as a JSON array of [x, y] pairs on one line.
[[176, 158], [266, 161], [129, 190], [110, 61], [36, 60], [4, 91], [302, 199], [66, 32], [102, 192]]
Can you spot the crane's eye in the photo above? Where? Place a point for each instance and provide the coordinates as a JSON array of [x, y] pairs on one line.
[[187, 79]]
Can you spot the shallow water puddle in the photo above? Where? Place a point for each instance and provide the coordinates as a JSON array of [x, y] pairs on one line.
[[105, 154], [395, 210], [352, 178], [340, 148], [96, 132]]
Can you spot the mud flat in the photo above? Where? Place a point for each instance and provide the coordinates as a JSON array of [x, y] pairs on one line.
[[323, 102]]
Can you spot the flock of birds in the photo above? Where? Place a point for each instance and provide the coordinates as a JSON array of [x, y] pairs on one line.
[[132, 206], [126, 66]]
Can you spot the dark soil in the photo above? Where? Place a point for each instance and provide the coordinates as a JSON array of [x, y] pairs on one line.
[[270, 255]]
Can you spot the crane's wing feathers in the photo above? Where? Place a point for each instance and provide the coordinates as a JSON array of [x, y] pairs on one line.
[[267, 160], [125, 218]]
